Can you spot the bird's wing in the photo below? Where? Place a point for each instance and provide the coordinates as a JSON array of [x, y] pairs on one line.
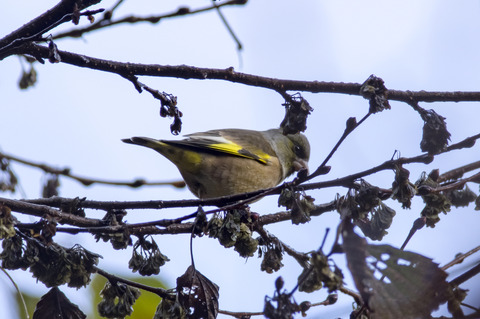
[[231, 141]]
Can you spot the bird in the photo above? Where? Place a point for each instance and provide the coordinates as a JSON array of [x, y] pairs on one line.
[[226, 162]]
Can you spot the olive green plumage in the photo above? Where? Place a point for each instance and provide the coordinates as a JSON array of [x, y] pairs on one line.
[[232, 161]]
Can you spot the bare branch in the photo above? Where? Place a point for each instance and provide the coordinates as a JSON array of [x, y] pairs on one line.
[[227, 25], [108, 22], [45, 22], [66, 215], [458, 172], [457, 185], [86, 180], [156, 290], [42, 210], [459, 259], [350, 126], [475, 270], [190, 72], [346, 181]]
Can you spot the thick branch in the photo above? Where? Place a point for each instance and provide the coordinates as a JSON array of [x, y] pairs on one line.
[[42, 210], [46, 20], [190, 72]]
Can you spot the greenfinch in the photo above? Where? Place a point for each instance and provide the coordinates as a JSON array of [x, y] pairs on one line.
[[232, 161]]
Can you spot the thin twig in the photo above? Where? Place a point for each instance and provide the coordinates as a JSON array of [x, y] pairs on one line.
[[301, 258], [352, 293], [458, 172], [457, 185], [391, 164], [460, 258], [156, 290], [351, 125], [227, 25], [18, 292], [86, 181], [242, 314], [107, 22], [466, 275]]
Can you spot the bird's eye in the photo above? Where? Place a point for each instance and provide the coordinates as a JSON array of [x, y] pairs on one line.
[[298, 150]]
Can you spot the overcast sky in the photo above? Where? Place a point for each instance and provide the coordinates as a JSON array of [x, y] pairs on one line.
[[76, 117]]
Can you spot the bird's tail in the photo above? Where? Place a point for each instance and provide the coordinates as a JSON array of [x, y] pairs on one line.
[[145, 141]]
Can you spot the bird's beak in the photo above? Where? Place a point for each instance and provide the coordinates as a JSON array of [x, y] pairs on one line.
[[299, 165]]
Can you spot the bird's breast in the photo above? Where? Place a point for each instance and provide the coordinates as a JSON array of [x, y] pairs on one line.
[[222, 175]]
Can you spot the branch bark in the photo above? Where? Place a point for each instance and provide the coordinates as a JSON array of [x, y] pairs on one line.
[[126, 69], [108, 22], [44, 22]]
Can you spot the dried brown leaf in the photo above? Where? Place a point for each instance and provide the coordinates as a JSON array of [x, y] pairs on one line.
[[197, 292], [413, 287], [54, 304]]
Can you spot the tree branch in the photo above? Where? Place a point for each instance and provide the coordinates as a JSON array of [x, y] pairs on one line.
[[86, 181], [126, 69], [158, 291], [45, 21], [108, 22], [460, 258], [346, 181], [458, 172], [42, 210]]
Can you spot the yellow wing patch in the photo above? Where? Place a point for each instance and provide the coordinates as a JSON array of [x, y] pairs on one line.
[[223, 145], [237, 150]]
